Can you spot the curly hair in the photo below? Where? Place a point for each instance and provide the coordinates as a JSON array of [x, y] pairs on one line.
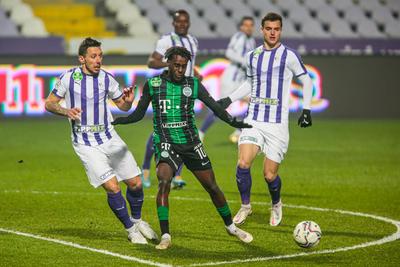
[[177, 51]]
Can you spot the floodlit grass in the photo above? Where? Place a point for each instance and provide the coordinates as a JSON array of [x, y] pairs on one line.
[[336, 164]]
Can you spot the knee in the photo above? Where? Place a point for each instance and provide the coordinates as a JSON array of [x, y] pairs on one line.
[[112, 188], [134, 183], [244, 163], [269, 175]]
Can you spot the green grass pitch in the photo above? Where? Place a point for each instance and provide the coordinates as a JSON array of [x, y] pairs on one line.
[[336, 164]]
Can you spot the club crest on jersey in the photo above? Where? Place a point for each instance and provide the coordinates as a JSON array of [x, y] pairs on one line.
[[164, 154], [187, 91], [77, 76], [155, 82]]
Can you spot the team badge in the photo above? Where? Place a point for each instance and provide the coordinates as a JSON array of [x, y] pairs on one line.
[[187, 91], [77, 76], [165, 154], [155, 82]]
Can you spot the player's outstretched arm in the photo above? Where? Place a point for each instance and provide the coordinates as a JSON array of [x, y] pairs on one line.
[[139, 112], [305, 117], [219, 111], [242, 91]]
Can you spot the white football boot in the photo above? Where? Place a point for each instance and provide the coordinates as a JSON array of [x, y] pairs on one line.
[[135, 236], [146, 230], [276, 214], [239, 233], [165, 242], [241, 215]]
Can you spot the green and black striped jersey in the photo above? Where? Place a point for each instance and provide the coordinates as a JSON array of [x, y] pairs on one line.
[[173, 108]]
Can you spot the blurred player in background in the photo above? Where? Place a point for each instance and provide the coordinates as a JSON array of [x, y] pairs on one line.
[[104, 155], [270, 69], [235, 74], [176, 138], [179, 37]]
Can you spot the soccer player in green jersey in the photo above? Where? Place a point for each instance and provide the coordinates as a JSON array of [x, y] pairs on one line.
[[176, 138]]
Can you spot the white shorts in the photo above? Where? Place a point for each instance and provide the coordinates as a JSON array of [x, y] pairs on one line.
[[272, 138], [107, 160]]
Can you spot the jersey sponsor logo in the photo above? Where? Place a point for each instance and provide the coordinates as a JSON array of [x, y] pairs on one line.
[[205, 163], [265, 101], [77, 76], [164, 154], [89, 128], [187, 91], [164, 105], [177, 124], [106, 174], [156, 82], [248, 138]]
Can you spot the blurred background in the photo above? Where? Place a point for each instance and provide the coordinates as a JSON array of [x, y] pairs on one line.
[[351, 47]]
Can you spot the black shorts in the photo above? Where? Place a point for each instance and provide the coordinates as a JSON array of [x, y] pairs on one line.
[[193, 156]]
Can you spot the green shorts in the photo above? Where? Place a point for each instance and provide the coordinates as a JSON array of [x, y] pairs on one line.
[[192, 155]]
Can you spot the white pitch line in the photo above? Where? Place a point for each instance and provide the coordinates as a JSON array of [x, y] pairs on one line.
[[74, 245], [381, 241]]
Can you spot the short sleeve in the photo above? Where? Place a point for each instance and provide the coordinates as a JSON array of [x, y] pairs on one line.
[[295, 64], [60, 88], [162, 46], [114, 91]]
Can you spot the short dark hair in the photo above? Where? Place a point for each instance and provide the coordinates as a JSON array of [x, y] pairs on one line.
[[271, 17], [179, 12], [177, 51], [244, 18], [88, 42]]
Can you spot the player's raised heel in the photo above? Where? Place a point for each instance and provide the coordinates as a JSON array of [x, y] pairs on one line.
[[276, 214], [165, 242], [241, 215], [135, 236], [146, 230], [239, 233]]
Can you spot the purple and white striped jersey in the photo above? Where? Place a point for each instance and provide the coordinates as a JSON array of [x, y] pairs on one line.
[[90, 94], [271, 73], [172, 39], [239, 45]]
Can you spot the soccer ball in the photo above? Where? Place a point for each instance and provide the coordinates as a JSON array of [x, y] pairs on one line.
[[307, 234]]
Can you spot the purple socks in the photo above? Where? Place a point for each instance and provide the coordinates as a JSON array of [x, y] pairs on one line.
[[135, 199], [274, 188], [149, 153], [243, 180], [118, 205]]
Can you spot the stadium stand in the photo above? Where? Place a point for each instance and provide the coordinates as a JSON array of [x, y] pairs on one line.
[[336, 18]]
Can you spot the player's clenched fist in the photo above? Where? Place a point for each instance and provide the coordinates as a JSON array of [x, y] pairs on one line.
[[305, 119]]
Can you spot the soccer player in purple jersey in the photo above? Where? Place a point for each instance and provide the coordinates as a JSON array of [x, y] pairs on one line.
[[235, 73], [104, 155], [179, 37], [270, 69]]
